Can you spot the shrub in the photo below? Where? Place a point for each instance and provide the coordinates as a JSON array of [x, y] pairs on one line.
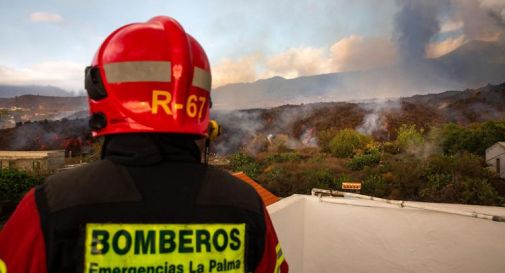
[[474, 139], [346, 143], [438, 188], [343, 178], [405, 177], [409, 136], [324, 137], [14, 184], [317, 158], [283, 157], [372, 148], [465, 164], [477, 191], [458, 179], [375, 185], [320, 177], [286, 179], [275, 180], [242, 162], [358, 162]]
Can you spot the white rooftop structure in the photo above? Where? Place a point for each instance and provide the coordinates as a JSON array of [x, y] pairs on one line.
[[31, 154], [495, 157], [33, 161], [352, 234]]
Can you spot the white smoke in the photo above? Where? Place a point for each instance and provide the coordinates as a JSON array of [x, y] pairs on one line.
[[375, 119]]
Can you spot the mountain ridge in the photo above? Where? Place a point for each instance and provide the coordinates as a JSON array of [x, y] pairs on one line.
[[474, 64], [10, 91], [249, 129]]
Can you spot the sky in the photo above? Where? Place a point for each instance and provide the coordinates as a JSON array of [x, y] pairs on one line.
[[50, 42]]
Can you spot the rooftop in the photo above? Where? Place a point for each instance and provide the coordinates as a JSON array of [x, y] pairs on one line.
[[356, 233], [499, 143], [31, 154]]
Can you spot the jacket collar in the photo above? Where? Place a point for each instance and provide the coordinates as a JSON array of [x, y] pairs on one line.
[[148, 149]]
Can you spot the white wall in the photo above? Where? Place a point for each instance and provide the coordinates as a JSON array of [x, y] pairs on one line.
[[368, 236], [494, 152], [288, 220]]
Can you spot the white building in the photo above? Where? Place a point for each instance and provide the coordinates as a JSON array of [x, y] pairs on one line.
[[352, 234], [41, 162], [495, 157]]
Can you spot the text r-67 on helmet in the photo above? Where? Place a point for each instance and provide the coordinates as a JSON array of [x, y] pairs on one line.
[[149, 77]]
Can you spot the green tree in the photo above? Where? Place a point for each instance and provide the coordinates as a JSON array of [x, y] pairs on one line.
[[460, 178], [242, 162], [474, 139], [375, 185], [321, 177], [324, 138], [347, 142], [15, 183], [358, 162], [409, 136]]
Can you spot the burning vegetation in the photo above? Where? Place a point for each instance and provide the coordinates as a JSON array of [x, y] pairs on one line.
[[445, 164], [253, 130], [72, 136], [427, 147]]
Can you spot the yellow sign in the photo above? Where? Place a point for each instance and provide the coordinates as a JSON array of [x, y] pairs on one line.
[[165, 248], [351, 185]]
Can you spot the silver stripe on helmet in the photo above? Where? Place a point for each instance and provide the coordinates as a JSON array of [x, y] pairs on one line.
[[202, 79], [144, 71]]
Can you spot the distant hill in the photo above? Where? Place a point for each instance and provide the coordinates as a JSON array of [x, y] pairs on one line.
[[251, 128], [476, 63], [45, 103], [472, 65], [33, 108], [10, 91]]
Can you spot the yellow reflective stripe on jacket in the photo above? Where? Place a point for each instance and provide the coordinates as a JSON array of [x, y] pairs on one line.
[[165, 248], [280, 258], [3, 267]]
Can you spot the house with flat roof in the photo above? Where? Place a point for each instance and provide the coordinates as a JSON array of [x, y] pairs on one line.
[[495, 157], [40, 162]]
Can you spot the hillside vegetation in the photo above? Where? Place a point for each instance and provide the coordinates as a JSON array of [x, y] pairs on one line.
[[425, 147], [249, 130], [442, 164]]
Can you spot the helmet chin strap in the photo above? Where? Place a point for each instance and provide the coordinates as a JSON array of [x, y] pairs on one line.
[[206, 151], [213, 132]]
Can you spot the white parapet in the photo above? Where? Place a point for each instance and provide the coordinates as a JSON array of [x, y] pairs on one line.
[[352, 234]]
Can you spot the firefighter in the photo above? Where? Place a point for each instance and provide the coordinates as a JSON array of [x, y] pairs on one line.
[[149, 205]]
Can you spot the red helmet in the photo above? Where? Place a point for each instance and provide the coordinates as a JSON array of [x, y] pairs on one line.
[[149, 77]]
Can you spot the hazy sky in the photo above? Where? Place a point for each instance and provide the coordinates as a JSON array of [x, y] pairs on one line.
[[51, 41]]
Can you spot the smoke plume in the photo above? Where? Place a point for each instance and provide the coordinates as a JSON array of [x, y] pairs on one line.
[[415, 24], [482, 19], [375, 119]]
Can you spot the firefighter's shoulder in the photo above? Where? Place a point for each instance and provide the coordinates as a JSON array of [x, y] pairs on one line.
[[101, 181]]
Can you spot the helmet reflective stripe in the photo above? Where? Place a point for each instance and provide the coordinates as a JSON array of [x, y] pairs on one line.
[[202, 79], [145, 71], [152, 71]]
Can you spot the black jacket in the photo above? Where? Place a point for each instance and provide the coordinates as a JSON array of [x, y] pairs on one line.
[[144, 178]]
